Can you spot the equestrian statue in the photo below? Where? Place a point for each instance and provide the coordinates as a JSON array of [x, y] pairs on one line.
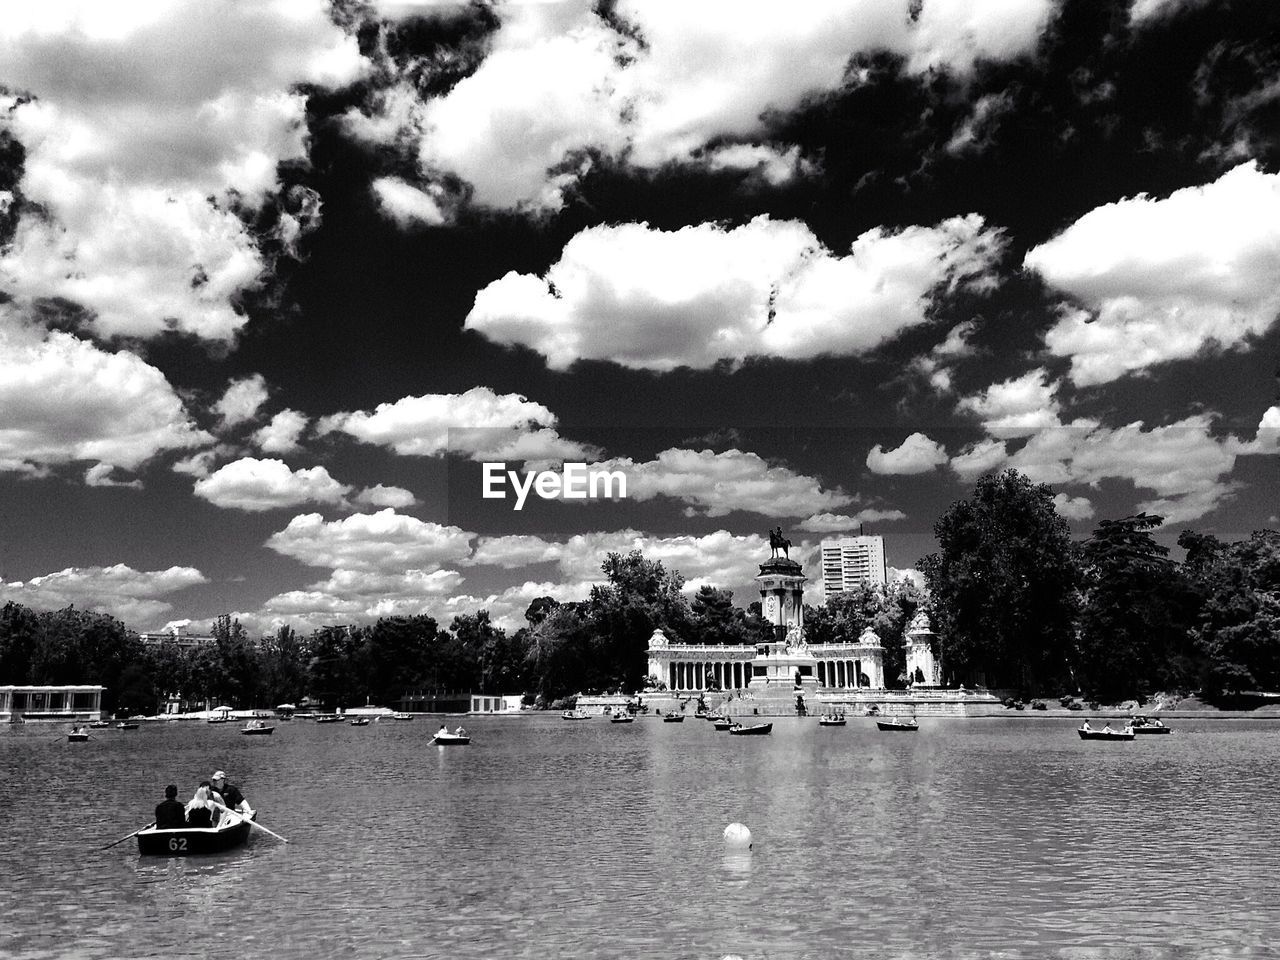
[[778, 542]]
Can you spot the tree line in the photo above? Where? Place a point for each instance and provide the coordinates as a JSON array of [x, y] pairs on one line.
[[1015, 602]]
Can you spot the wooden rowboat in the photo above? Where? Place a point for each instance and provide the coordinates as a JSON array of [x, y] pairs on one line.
[[126, 726], [77, 737], [256, 728], [723, 723], [750, 729], [831, 721], [1090, 734], [1149, 725], [673, 718], [186, 841], [622, 718], [451, 739], [893, 723], [360, 722]]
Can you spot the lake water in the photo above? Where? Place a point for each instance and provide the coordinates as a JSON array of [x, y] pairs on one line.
[[547, 839]]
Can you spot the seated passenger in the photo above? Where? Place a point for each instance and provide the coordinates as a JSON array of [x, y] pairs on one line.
[[170, 814], [443, 731], [201, 809]]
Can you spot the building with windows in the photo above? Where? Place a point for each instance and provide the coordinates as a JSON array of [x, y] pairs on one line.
[[76, 702], [850, 562]]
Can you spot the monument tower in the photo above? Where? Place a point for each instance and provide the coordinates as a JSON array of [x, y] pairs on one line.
[[784, 665]]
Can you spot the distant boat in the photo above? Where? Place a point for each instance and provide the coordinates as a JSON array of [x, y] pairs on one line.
[[750, 729], [446, 739], [78, 735], [257, 728], [894, 723], [1106, 733], [1149, 725], [834, 720], [218, 719], [360, 722], [126, 726], [100, 724], [621, 718], [402, 716], [673, 718], [575, 715], [723, 723], [328, 718]]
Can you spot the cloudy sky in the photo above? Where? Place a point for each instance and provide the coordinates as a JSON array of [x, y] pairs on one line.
[[277, 277]]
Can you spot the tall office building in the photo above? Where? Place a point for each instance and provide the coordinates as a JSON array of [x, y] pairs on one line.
[[850, 561]]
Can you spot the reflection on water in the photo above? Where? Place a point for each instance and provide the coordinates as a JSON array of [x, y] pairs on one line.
[[547, 839]]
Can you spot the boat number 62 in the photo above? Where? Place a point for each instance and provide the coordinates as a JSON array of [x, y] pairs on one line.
[[178, 843]]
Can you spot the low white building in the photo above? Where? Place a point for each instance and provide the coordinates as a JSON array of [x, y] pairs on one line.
[[496, 703]]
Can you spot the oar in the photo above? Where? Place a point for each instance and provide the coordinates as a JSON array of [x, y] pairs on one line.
[[134, 834], [251, 822]]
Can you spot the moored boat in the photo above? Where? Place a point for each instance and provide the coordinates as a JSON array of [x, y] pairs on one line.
[[896, 723], [750, 729], [186, 841], [1106, 733], [257, 728], [1149, 725]]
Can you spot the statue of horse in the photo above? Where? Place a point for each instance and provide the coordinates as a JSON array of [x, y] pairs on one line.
[[778, 542]]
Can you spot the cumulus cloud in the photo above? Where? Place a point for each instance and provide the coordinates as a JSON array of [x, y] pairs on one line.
[[1149, 11], [63, 399], [257, 485], [916, 454], [1163, 279], [382, 542], [408, 205], [127, 594], [839, 523], [1182, 466], [479, 424], [242, 399], [138, 179], [1017, 407], [384, 496], [657, 300], [719, 559], [561, 82], [936, 365], [281, 435], [716, 484], [1267, 439], [1073, 508]]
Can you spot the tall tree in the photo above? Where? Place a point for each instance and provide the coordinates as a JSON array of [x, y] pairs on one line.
[[1238, 627], [1133, 634], [1004, 584]]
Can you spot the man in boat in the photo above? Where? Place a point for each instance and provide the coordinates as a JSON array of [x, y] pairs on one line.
[[1085, 726], [231, 795], [170, 814]]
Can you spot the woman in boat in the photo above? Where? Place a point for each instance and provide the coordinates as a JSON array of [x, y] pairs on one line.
[[443, 731], [201, 809], [460, 732]]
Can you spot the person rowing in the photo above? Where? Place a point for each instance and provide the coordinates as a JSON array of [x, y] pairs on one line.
[[230, 793]]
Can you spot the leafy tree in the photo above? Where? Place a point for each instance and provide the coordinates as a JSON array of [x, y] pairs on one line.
[[1004, 584], [1238, 627], [640, 596], [1133, 630]]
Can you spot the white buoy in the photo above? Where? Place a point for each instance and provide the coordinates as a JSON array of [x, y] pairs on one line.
[[737, 836]]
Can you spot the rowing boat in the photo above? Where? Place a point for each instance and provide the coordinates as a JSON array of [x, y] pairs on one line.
[[1087, 733], [750, 729], [893, 723], [186, 841], [831, 721], [673, 718], [256, 728], [451, 739]]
